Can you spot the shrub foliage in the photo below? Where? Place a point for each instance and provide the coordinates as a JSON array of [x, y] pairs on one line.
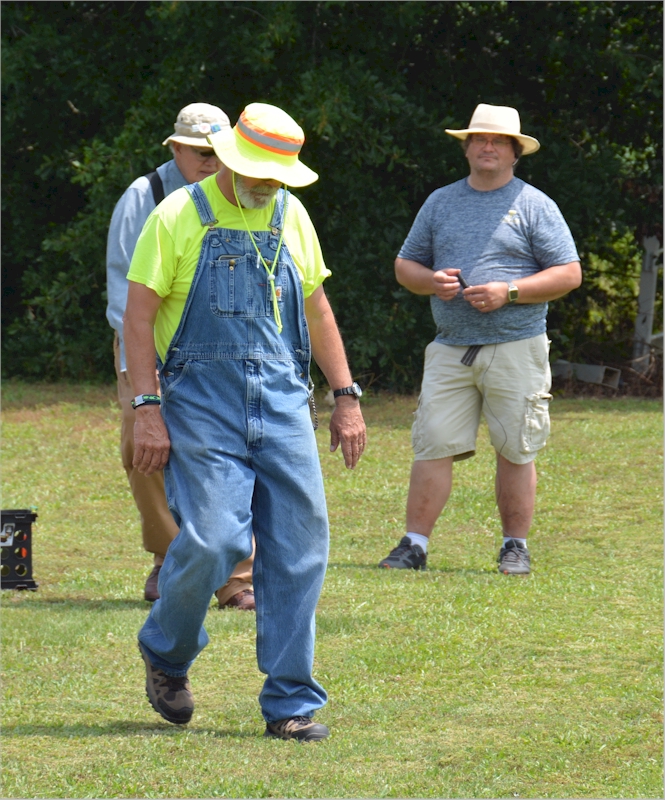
[[90, 89]]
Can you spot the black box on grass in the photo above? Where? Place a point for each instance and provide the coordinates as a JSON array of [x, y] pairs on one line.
[[16, 549]]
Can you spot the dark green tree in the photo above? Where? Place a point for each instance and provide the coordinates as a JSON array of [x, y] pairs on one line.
[[90, 89]]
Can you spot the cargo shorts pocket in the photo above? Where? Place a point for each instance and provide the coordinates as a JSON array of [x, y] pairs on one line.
[[536, 424]]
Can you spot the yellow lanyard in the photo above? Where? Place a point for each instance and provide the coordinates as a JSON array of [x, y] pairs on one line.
[[269, 269]]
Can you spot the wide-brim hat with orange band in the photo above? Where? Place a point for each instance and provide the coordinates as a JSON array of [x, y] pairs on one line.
[[264, 143], [500, 120]]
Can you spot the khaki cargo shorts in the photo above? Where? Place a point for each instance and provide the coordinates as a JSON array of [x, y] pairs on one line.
[[508, 382]]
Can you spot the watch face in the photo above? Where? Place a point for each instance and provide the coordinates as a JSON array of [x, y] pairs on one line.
[[357, 391]]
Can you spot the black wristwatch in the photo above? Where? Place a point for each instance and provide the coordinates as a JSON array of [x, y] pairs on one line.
[[353, 390], [513, 292], [146, 400]]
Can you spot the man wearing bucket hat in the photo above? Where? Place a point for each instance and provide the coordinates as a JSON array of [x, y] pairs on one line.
[[490, 251], [226, 284], [193, 160]]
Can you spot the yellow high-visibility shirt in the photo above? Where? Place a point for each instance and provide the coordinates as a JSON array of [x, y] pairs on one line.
[[169, 247]]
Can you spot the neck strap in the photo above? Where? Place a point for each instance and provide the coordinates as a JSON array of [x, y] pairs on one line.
[[269, 269]]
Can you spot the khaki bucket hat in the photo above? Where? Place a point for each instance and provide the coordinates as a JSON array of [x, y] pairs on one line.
[[497, 119], [264, 143], [195, 122]]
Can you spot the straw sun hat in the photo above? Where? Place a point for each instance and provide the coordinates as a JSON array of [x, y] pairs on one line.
[[264, 143], [497, 119]]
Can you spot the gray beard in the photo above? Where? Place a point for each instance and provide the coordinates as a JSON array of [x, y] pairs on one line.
[[258, 197]]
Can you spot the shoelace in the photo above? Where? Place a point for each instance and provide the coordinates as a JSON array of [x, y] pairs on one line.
[[294, 722], [514, 550], [174, 683]]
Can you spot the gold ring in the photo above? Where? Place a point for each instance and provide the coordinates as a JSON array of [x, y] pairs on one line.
[[482, 303]]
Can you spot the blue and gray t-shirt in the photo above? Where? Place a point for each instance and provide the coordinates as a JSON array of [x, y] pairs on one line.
[[501, 235]]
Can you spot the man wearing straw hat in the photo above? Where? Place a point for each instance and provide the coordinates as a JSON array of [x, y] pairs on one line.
[[193, 160], [226, 285], [490, 251]]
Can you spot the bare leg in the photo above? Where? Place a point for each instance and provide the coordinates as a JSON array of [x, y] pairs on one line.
[[431, 482], [515, 496]]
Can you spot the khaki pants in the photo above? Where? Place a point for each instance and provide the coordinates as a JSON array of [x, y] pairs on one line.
[[157, 524]]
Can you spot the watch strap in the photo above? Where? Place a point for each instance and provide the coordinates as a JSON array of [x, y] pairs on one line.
[[146, 400], [354, 390]]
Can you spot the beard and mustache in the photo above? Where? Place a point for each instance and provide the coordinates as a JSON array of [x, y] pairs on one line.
[[257, 196]]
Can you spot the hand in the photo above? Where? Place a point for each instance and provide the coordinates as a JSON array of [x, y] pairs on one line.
[[446, 284], [151, 440], [347, 427], [487, 297]]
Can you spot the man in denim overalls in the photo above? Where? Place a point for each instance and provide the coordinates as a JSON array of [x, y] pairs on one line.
[[226, 286]]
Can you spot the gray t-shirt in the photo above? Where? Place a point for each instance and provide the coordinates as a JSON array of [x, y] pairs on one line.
[[501, 235]]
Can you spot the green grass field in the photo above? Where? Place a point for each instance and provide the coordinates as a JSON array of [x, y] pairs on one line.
[[455, 682]]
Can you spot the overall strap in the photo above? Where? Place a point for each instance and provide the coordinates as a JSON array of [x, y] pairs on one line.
[[207, 220], [202, 205]]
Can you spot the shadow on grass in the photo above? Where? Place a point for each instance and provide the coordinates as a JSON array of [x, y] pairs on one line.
[[90, 604], [428, 571], [120, 727]]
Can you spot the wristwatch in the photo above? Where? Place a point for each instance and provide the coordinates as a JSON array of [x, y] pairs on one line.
[[146, 400], [354, 390], [513, 292]]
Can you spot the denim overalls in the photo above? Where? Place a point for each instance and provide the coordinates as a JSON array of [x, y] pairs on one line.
[[243, 458]]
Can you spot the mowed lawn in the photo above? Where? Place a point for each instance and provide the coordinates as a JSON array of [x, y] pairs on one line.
[[455, 682]]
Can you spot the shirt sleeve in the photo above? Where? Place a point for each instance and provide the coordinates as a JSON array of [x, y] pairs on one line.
[[418, 245], [551, 240], [154, 262], [129, 215], [305, 248]]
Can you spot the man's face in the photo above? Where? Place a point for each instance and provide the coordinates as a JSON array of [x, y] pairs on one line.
[[490, 153], [195, 163], [255, 192]]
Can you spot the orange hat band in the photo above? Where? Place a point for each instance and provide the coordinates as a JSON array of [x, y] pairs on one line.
[[267, 140]]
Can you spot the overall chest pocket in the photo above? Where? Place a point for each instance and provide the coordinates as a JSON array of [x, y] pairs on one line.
[[238, 288]]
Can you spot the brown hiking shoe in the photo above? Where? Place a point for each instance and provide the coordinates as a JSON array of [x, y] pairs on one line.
[[243, 601], [150, 593], [303, 729], [171, 697]]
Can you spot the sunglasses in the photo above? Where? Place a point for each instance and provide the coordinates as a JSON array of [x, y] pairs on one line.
[[202, 155]]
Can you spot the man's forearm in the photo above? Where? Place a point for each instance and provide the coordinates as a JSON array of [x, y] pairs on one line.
[[414, 276], [347, 426], [328, 350], [549, 284], [151, 440], [142, 306], [141, 356]]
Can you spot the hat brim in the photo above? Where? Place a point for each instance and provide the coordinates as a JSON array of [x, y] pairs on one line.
[[246, 160], [192, 141], [530, 144]]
